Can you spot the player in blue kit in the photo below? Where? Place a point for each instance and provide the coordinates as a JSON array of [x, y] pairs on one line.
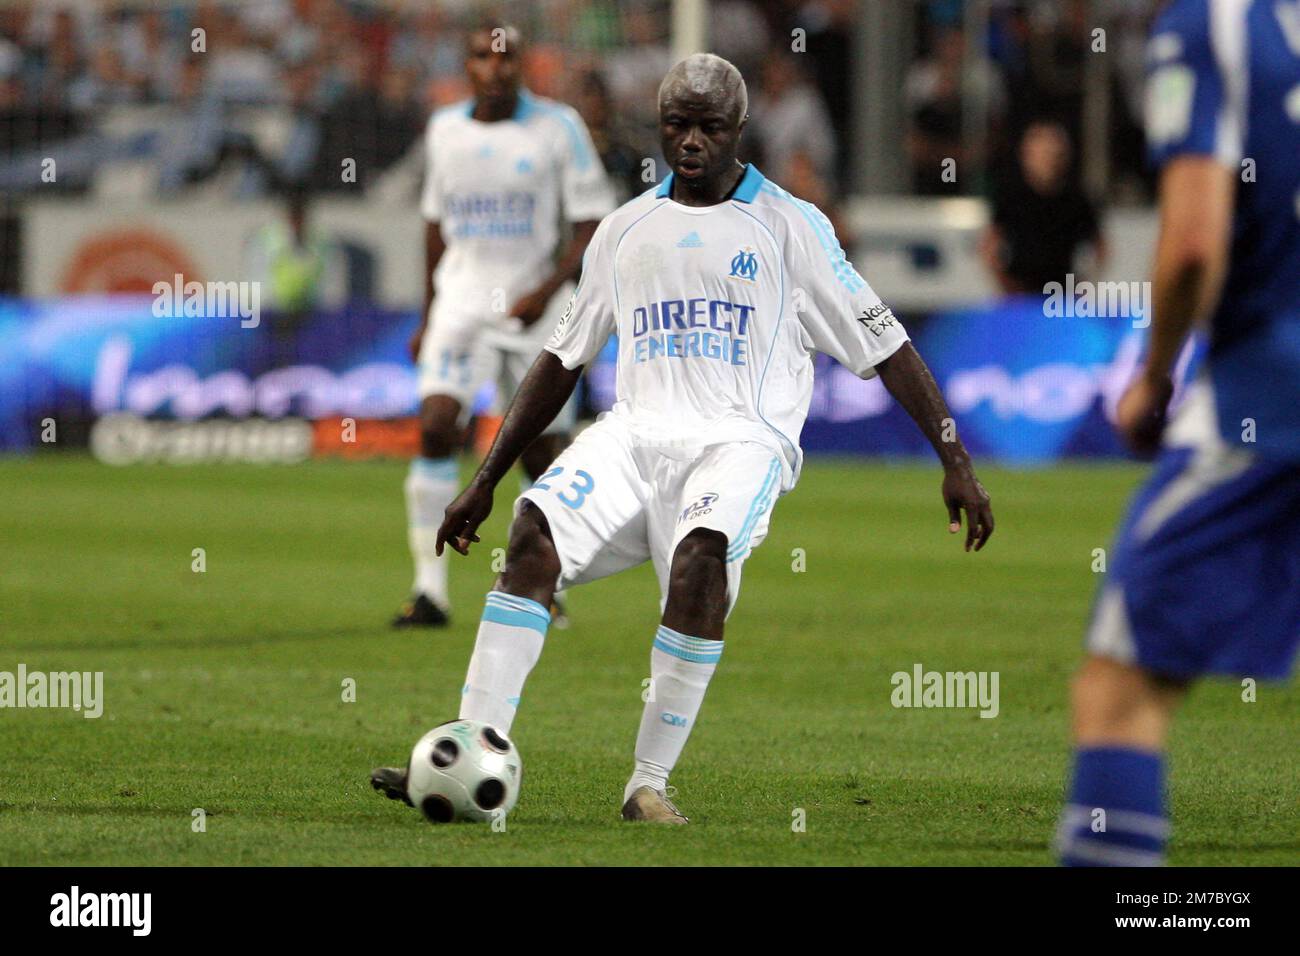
[[1205, 575], [720, 286]]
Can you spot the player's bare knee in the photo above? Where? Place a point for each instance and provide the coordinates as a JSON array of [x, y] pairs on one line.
[[438, 415], [1120, 703], [436, 443], [532, 563], [699, 565], [1096, 689]]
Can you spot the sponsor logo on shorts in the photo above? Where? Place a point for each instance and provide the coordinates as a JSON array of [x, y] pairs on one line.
[[673, 720], [699, 507]]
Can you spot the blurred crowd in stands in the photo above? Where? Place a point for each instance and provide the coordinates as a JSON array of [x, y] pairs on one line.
[[276, 94], [247, 98], [1031, 68]]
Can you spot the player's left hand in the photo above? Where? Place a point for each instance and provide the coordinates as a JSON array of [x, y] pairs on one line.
[[530, 307], [1142, 412], [962, 491]]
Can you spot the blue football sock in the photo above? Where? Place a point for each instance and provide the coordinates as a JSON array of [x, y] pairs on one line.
[[1116, 813]]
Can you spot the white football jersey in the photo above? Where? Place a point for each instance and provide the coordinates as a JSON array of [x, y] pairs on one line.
[[718, 311], [498, 190]]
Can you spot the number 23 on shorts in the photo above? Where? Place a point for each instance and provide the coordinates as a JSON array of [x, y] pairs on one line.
[[581, 486]]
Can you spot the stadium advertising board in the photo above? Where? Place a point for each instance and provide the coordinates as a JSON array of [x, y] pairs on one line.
[[1024, 387]]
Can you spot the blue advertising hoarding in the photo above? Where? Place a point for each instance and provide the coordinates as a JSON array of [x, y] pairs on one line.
[[1025, 387]]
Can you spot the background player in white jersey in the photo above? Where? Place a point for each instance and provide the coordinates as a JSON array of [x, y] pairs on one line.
[[500, 169], [720, 286]]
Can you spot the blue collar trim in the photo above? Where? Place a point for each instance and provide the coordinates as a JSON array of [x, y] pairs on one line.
[[745, 192]]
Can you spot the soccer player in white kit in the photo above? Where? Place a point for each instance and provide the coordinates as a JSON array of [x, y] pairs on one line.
[[500, 169], [720, 286]]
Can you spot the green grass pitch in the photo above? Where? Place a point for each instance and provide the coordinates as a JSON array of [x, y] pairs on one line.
[[224, 688]]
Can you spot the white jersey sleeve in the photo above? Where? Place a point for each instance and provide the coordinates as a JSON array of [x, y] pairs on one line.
[[589, 318], [841, 314], [430, 196], [587, 194]]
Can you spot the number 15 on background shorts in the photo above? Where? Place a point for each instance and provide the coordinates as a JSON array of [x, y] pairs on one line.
[[462, 351], [611, 505]]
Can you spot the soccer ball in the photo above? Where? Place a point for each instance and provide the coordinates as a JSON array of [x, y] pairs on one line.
[[464, 770]]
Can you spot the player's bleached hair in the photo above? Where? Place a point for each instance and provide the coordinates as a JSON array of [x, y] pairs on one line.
[[706, 73]]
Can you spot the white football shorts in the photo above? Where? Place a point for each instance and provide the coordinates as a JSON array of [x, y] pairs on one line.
[[462, 351], [611, 504]]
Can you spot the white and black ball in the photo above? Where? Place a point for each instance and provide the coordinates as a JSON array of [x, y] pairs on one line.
[[464, 770]]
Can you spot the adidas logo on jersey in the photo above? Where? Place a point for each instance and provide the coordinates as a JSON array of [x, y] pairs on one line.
[[691, 240]]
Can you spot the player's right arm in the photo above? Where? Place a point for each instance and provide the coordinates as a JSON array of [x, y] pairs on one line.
[[1196, 202], [434, 246], [541, 395], [1194, 135], [578, 338]]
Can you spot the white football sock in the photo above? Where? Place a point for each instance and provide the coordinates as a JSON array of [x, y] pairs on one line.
[[509, 642], [430, 487], [680, 668]]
